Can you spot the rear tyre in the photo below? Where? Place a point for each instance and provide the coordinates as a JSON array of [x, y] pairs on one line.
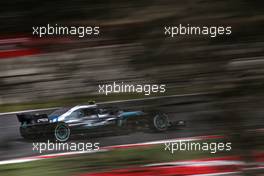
[[62, 132]]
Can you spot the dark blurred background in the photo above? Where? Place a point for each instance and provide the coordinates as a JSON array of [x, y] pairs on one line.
[[132, 48]]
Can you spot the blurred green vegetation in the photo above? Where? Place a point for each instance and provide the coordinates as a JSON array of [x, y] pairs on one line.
[[104, 161]]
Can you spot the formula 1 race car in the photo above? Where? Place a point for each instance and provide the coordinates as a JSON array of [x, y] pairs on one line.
[[91, 120]]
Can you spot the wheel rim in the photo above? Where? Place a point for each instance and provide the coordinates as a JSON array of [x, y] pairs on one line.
[[161, 122], [62, 133]]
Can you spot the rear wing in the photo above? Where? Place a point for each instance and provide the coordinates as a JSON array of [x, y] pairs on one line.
[[32, 119]]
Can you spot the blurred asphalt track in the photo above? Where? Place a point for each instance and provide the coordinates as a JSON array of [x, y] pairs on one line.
[[197, 109]]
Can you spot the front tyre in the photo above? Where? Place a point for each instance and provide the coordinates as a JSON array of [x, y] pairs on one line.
[[160, 122], [62, 132]]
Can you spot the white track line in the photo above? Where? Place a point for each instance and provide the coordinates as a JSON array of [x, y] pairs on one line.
[[27, 111], [49, 156], [40, 157], [187, 139], [201, 163], [152, 98], [106, 102], [218, 174], [20, 160]]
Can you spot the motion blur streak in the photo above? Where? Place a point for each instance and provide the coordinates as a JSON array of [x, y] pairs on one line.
[[171, 171], [61, 71], [18, 53]]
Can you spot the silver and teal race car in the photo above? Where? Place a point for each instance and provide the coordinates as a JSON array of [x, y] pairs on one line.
[[91, 120]]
